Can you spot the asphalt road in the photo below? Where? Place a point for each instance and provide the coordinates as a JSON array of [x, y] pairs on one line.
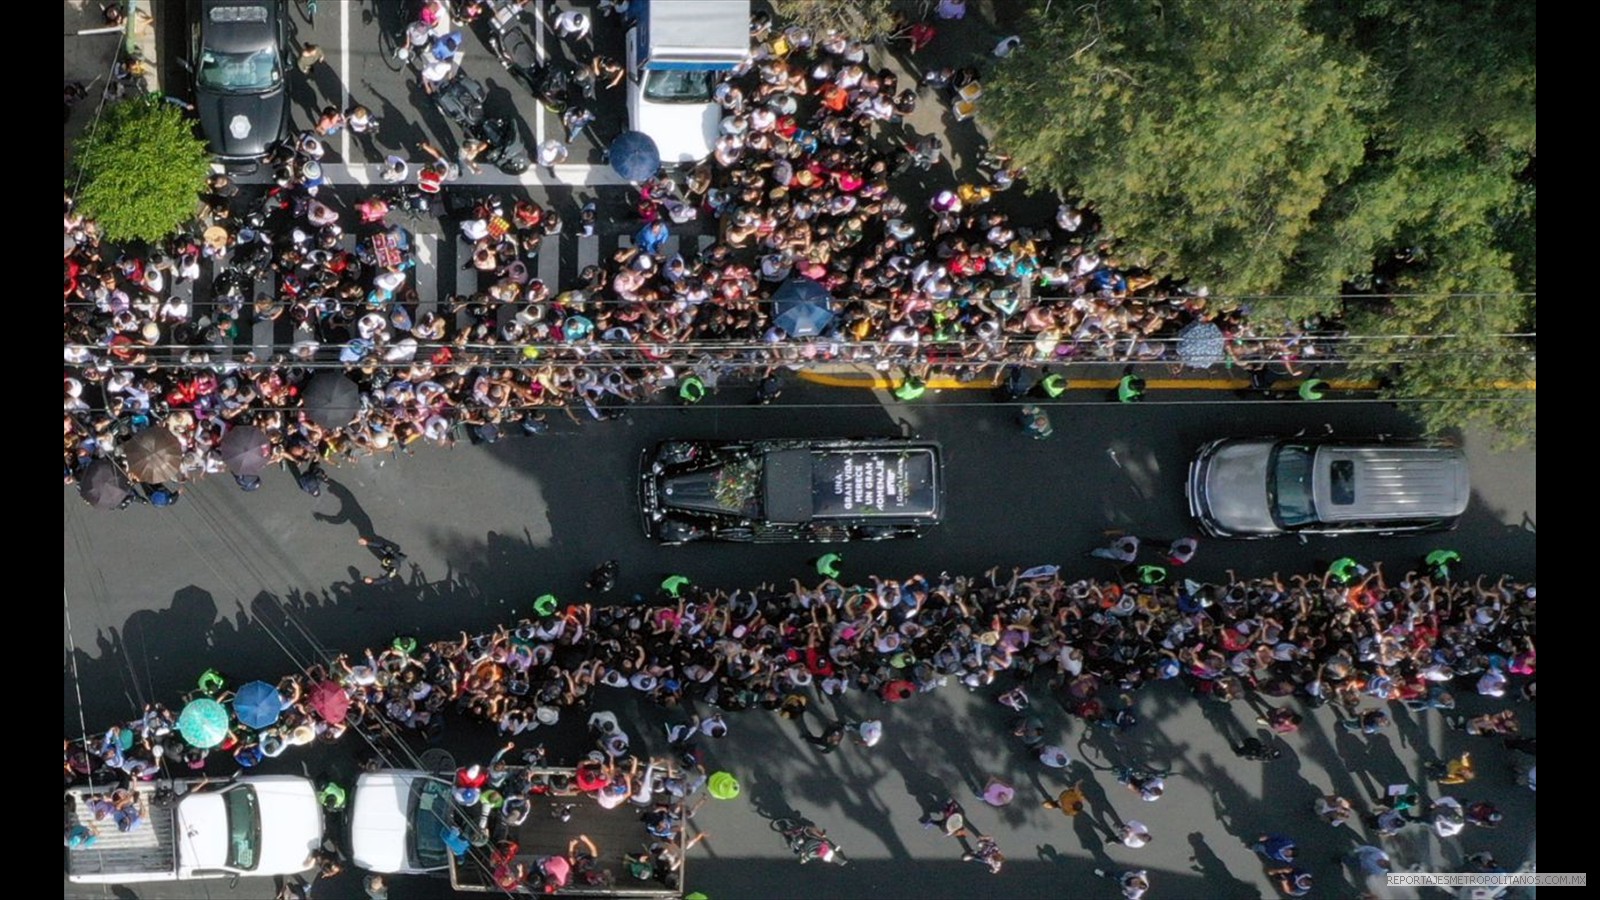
[[258, 583]]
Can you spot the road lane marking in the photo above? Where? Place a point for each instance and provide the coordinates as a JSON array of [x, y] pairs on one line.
[[538, 52], [344, 77]]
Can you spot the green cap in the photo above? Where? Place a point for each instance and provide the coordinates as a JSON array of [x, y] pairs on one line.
[[331, 796], [546, 604], [723, 786], [211, 682], [1343, 568], [910, 389]]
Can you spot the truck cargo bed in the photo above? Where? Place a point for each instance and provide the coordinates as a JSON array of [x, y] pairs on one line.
[[148, 850]]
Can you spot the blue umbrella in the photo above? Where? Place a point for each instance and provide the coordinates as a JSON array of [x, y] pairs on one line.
[[634, 156], [801, 307], [256, 705]]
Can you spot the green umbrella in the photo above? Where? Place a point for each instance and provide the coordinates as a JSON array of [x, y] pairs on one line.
[[203, 723]]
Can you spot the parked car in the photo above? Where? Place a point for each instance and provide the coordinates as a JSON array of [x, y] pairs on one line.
[[784, 491], [1267, 486], [237, 57]]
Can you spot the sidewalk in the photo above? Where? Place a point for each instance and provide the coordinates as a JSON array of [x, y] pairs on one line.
[[89, 49]]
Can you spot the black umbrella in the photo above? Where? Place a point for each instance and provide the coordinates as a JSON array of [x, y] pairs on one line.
[[634, 156], [332, 401], [246, 450], [102, 485], [154, 455], [802, 307]]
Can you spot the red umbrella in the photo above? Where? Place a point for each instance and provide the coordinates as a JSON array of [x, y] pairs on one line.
[[330, 701]]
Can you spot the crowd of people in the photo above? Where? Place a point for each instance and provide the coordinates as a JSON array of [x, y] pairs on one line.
[[1360, 644], [812, 178]]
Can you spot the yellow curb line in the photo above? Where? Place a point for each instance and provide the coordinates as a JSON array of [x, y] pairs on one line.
[[875, 380], [1103, 384]]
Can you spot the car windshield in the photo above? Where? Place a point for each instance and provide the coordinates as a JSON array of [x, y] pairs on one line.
[[430, 812], [243, 72], [678, 86], [1289, 486], [244, 829]]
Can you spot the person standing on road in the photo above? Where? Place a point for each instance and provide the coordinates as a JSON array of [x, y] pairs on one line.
[[1124, 549], [310, 55], [1069, 802], [360, 120], [1133, 882], [650, 238], [575, 119], [571, 24], [1182, 550], [1134, 835], [389, 556], [1275, 848], [988, 853], [552, 153], [395, 170]]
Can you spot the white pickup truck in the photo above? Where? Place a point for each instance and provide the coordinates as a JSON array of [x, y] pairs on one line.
[[676, 51], [258, 826]]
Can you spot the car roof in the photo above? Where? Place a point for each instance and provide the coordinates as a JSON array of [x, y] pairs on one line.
[[786, 483], [1390, 482]]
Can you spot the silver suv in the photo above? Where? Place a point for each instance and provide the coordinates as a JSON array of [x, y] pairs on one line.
[[1267, 486]]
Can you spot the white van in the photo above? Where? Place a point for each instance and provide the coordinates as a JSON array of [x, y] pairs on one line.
[[1263, 487]]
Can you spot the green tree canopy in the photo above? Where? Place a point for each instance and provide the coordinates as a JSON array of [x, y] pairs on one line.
[[861, 19], [1283, 151], [140, 169], [1208, 131]]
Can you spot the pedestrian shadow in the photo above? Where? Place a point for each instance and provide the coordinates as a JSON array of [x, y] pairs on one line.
[[958, 754], [350, 510], [1219, 882]]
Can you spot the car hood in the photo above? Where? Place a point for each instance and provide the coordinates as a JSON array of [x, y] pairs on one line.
[[242, 125], [1235, 485], [683, 132]]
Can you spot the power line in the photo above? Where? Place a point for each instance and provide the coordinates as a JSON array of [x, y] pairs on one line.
[[1035, 300], [1510, 395]]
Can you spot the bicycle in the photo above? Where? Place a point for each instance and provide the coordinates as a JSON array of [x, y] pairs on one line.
[[395, 48], [308, 9], [809, 842]]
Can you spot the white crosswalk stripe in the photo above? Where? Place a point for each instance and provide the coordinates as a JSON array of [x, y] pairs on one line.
[[443, 268], [564, 175]]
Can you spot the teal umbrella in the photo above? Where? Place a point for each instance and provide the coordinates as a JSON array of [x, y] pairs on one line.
[[203, 723]]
